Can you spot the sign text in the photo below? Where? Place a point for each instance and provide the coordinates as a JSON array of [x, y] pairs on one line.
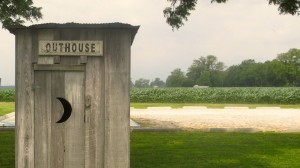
[[84, 48]]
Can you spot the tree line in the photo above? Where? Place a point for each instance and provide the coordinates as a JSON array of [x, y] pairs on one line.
[[208, 71]]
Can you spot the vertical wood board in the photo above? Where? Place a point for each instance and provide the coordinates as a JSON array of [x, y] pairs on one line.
[[42, 119], [94, 113], [57, 156], [47, 34], [24, 101], [74, 126], [117, 84]]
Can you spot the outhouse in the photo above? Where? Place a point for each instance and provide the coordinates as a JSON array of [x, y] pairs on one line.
[[72, 95]]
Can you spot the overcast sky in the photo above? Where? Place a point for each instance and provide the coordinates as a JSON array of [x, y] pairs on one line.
[[235, 31]]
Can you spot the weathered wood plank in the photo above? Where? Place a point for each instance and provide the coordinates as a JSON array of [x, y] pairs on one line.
[[58, 67], [57, 151], [24, 101], [95, 114], [45, 34], [35, 42], [69, 34], [42, 118], [74, 126], [117, 84]]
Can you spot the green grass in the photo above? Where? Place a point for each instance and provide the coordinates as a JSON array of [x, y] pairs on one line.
[[6, 107], [214, 150], [7, 149], [197, 149], [209, 105]]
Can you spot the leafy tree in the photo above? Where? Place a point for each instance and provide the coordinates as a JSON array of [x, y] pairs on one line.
[[176, 79], [157, 82], [206, 71], [16, 12], [232, 76], [291, 61], [180, 10], [142, 83], [275, 73], [248, 73]]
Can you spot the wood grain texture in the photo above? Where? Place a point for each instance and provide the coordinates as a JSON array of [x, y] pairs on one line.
[[45, 34], [24, 101], [57, 151], [94, 114], [74, 126], [69, 34], [35, 41], [117, 84], [58, 67], [42, 119]]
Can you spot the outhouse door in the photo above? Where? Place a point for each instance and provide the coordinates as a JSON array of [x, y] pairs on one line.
[[59, 137]]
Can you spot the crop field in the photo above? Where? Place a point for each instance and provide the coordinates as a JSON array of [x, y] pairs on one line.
[[234, 95], [7, 95]]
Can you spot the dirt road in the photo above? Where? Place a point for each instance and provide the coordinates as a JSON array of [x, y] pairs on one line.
[[230, 118]]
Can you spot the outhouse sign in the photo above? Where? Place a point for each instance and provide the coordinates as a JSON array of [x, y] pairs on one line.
[[87, 48], [72, 99]]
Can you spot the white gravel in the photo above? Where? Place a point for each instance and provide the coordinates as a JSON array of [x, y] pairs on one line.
[[261, 119]]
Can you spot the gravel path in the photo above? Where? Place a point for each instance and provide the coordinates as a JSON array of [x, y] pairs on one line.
[[230, 118]]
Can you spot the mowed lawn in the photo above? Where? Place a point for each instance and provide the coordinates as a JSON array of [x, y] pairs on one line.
[[215, 150], [198, 149], [6, 107]]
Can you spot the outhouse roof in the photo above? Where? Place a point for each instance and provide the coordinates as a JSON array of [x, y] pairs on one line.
[[73, 25]]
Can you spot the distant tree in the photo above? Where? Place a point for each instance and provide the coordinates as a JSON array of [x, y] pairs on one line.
[[157, 82], [16, 12], [142, 83], [180, 10], [248, 73], [291, 61], [206, 71], [275, 73], [232, 76], [176, 79], [252, 74], [290, 57]]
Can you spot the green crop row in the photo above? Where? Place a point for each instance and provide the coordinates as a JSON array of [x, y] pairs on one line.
[[217, 95], [7, 95], [237, 95]]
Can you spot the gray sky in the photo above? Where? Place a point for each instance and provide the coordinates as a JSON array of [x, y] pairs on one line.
[[235, 31]]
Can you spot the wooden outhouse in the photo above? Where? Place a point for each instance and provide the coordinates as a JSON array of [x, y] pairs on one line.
[[72, 95]]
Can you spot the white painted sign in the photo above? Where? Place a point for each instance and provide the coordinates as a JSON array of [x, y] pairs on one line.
[[71, 48]]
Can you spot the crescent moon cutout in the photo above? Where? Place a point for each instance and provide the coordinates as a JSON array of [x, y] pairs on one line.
[[67, 110]]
